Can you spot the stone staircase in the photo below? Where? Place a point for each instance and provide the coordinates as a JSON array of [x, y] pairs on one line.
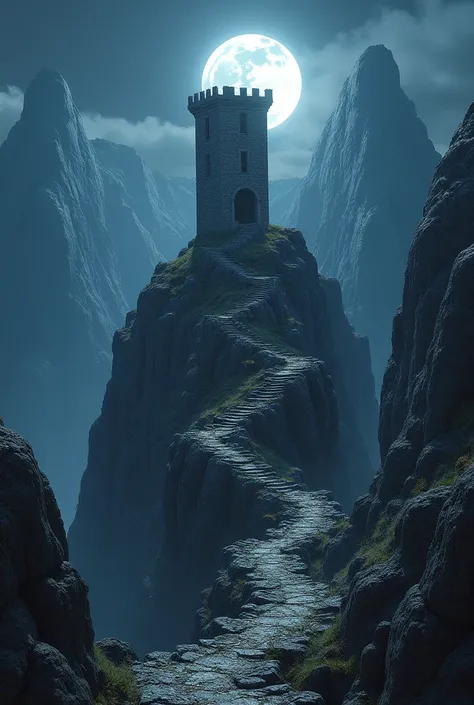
[[283, 601]]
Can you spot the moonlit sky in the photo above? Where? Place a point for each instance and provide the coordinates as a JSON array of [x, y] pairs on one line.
[[131, 66], [255, 61]]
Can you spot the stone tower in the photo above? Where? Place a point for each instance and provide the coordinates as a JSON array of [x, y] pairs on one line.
[[231, 158]]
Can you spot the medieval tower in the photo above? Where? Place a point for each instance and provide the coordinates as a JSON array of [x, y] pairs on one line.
[[231, 158]]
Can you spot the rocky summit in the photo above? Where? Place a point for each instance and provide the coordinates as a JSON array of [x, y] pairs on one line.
[[231, 370], [363, 196]]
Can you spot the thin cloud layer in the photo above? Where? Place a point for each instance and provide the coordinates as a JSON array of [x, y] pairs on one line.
[[435, 53]]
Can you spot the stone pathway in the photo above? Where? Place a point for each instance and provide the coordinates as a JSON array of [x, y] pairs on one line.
[[283, 601]]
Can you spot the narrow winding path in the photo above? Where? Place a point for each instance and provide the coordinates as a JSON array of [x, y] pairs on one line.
[[283, 601]]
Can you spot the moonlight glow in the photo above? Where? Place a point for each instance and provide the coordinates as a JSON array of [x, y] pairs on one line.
[[255, 61]]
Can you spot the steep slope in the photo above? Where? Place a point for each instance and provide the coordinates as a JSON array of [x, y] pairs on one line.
[[232, 348], [282, 194], [77, 244], [46, 637], [363, 195], [407, 611], [178, 196]]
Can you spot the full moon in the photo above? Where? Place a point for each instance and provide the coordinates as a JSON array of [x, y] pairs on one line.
[[256, 61]]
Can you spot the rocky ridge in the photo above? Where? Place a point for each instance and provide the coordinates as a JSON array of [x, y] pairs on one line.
[[363, 195], [226, 321], [406, 612]]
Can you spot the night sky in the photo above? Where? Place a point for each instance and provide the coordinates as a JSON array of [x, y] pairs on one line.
[[125, 60]]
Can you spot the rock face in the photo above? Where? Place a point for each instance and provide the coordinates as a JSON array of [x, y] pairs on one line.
[[231, 372], [46, 636], [420, 509], [363, 196], [282, 194], [81, 230]]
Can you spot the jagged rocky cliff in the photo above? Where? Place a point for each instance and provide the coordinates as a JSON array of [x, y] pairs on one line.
[[363, 196], [46, 637], [240, 370], [81, 230], [406, 612]]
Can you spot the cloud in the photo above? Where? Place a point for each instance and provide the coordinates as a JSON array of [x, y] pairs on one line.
[[163, 146], [435, 52], [434, 49], [11, 103]]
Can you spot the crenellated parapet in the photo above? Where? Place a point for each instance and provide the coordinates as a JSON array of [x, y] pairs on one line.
[[249, 98]]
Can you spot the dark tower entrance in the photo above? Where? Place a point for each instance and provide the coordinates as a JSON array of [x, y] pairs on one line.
[[245, 206]]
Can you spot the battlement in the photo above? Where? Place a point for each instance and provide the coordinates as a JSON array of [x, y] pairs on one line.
[[229, 93]]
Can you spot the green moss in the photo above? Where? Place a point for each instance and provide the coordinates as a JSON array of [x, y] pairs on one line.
[[341, 524], [446, 475], [217, 299], [421, 485], [260, 255], [279, 464], [325, 648], [381, 544], [175, 273], [120, 685]]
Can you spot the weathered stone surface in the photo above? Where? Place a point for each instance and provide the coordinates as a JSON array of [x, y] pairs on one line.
[[374, 596], [425, 434], [415, 530], [447, 584], [117, 651], [372, 662], [427, 377], [418, 642], [374, 159], [46, 635]]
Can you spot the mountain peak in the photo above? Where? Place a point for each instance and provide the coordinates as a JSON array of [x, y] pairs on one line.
[[376, 70], [48, 98]]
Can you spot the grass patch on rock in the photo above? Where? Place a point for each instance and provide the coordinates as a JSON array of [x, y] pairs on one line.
[[446, 475], [174, 274], [263, 256], [325, 648], [120, 685], [380, 545]]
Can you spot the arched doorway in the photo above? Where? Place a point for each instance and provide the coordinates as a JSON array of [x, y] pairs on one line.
[[245, 206]]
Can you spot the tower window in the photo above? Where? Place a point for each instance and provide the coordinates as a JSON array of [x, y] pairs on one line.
[[243, 123], [208, 164], [206, 128], [244, 161]]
